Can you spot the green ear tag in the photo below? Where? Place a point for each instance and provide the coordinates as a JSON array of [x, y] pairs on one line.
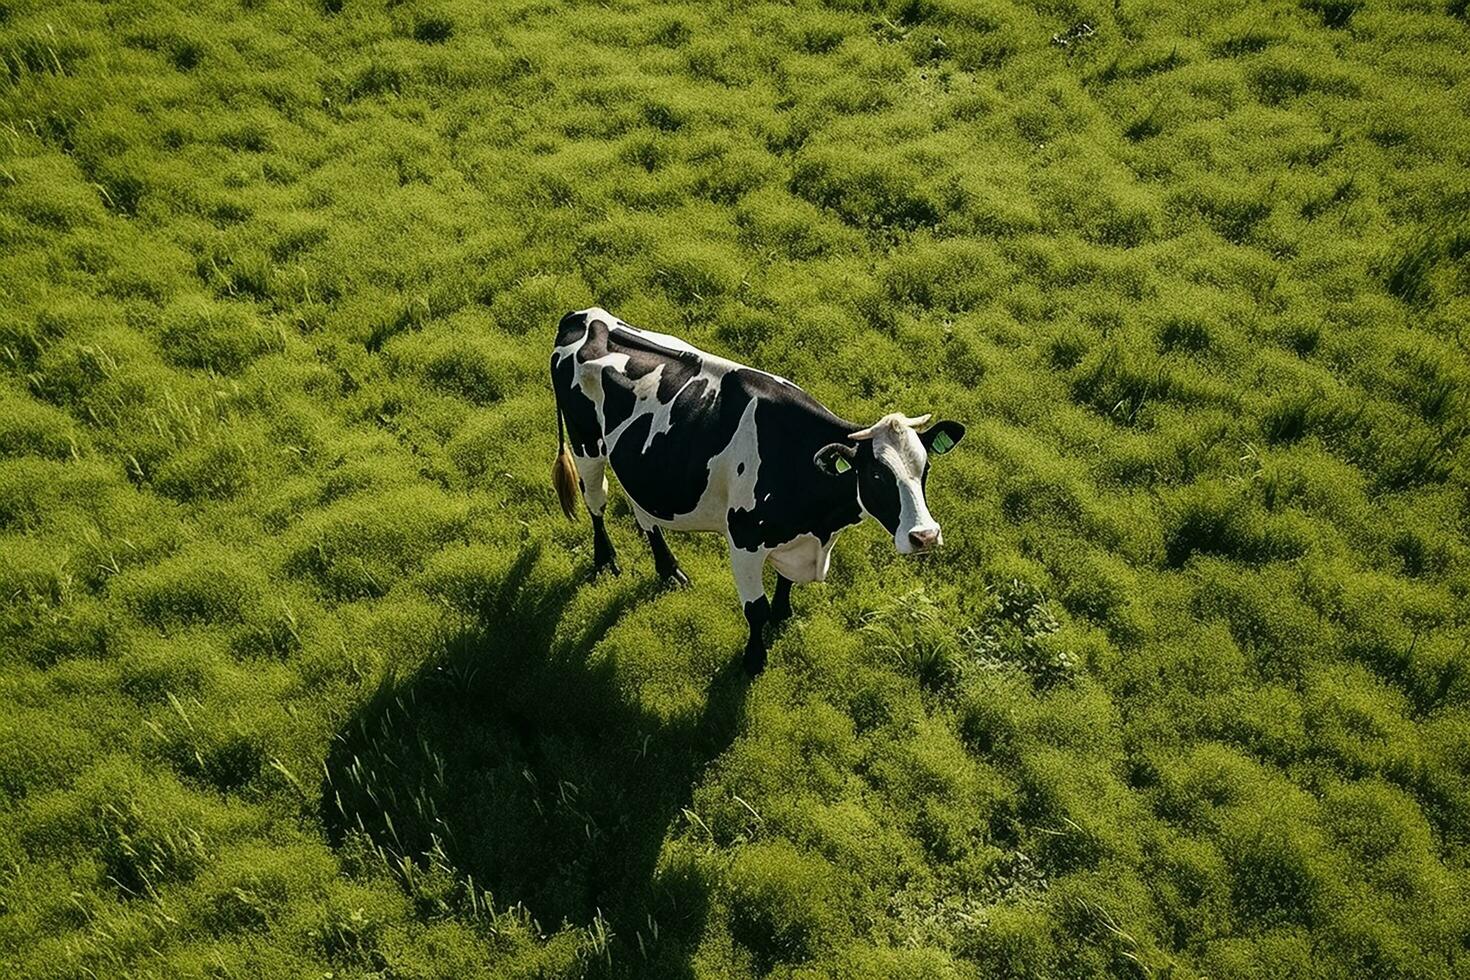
[[942, 444], [842, 465]]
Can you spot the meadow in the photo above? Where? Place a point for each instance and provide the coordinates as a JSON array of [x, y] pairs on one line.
[[301, 669]]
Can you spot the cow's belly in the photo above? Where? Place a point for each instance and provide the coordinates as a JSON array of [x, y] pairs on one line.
[[708, 517], [803, 559]]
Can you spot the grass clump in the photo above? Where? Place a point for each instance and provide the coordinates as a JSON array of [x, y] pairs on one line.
[[207, 335], [202, 585], [32, 428], [360, 547], [1210, 519], [772, 888], [872, 196]]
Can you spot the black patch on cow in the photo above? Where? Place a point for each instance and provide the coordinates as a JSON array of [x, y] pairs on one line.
[[664, 562], [670, 476], [878, 488], [792, 496], [644, 355], [618, 400], [604, 555], [577, 410], [572, 326], [781, 602], [595, 345]]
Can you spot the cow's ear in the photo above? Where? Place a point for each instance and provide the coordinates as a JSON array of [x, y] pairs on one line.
[[941, 437], [835, 458]]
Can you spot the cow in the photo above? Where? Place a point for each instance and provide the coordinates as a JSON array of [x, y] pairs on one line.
[[701, 443]]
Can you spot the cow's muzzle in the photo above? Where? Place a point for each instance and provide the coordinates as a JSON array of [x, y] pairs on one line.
[[924, 539]]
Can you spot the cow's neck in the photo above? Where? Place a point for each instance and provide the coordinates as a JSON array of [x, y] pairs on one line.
[[837, 499]]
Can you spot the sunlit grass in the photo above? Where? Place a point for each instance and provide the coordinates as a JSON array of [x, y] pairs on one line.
[[301, 671]]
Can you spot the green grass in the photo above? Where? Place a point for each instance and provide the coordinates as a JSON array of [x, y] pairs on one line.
[[301, 672]]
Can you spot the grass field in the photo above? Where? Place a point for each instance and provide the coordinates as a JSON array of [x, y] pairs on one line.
[[300, 673]]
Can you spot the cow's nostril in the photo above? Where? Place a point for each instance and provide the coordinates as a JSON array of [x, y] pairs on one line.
[[924, 540]]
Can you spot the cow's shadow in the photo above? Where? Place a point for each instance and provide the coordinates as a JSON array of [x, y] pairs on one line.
[[514, 760]]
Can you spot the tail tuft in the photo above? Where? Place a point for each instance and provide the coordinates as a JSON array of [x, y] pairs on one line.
[[564, 478]]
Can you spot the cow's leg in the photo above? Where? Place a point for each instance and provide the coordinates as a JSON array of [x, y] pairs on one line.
[[592, 472], [664, 562], [603, 553], [781, 604], [747, 567]]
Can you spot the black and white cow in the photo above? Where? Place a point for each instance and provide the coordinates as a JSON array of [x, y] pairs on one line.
[[700, 443]]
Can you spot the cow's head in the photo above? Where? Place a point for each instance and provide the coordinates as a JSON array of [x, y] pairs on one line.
[[891, 462]]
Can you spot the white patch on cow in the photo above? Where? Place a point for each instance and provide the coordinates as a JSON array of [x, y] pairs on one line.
[[589, 379], [897, 446], [645, 520], [746, 567], [804, 558], [592, 472], [652, 336], [645, 400]]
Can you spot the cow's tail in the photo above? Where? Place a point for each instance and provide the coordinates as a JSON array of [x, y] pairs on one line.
[[563, 472]]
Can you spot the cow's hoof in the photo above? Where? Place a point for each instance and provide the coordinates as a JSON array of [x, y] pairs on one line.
[[677, 579], [607, 565], [755, 660]]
